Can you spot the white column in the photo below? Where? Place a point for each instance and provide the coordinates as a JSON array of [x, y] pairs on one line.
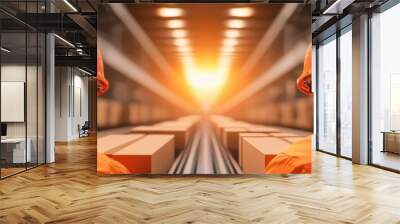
[[314, 87], [50, 98], [63, 104], [360, 90]]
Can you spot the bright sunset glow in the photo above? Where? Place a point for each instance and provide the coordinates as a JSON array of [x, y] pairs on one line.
[[206, 83]]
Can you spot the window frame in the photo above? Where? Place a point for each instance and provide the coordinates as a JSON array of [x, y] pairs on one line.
[[380, 9], [333, 37]]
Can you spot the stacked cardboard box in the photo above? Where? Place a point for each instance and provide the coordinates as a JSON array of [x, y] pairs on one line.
[[136, 153], [258, 152], [180, 129], [242, 136]]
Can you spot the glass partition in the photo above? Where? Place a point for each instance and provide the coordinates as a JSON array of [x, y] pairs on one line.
[[31, 97], [22, 77], [326, 62], [41, 96], [385, 89], [346, 92], [14, 153]]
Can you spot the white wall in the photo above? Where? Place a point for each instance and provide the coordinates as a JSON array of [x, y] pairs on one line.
[[71, 93], [61, 103]]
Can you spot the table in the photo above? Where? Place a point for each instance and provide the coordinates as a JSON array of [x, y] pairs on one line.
[[16, 154], [391, 141]]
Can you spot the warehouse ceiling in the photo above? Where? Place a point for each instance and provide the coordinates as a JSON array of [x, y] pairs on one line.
[[187, 49], [239, 42], [205, 37]]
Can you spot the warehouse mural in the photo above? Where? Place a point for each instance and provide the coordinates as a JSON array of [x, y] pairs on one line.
[[204, 89]]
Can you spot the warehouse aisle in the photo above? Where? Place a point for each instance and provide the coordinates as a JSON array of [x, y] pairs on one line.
[[205, 154], [203, 145]]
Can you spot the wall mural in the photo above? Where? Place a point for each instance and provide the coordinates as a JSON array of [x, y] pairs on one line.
[[210, 88]]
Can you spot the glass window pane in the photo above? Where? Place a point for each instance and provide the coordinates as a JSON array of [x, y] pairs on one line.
[[41, 98], [346, 94], [327, 96], [23, 90], [385, 114], [31, 97], [13, 86]]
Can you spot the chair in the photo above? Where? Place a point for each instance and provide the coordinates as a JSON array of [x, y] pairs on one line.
[[84, 130]]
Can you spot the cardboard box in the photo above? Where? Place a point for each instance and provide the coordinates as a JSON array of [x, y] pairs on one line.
[[110, 143], [133, 114], [144, 114], [258, 152], [293, 139], [284, 134], [115, 113], [304, 113], [177, 124], [240, 144], [230, 136], [262, 129], [274, 115], [288, 114], [191, 118], [102, 113], [151, 154], [181, 134], [236, 124], [106, 146], [230, 140]]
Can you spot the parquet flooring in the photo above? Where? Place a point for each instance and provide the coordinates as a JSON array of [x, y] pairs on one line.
[[70, 191]]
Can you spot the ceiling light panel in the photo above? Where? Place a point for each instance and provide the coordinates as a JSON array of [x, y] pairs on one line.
[[230, 42], [241, 12], [232, 33], [170, 12], [181, 42], [184, 49], [64, 41], [227, 49], [236, 23], [70, 6], [175, 24], [179, 33], [5, 50]]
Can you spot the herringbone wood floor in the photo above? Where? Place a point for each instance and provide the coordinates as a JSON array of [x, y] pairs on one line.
[[70, 191]]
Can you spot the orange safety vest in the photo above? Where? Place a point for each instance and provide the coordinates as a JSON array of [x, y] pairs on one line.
[[304, 81], [297, 158], [102, 83]]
